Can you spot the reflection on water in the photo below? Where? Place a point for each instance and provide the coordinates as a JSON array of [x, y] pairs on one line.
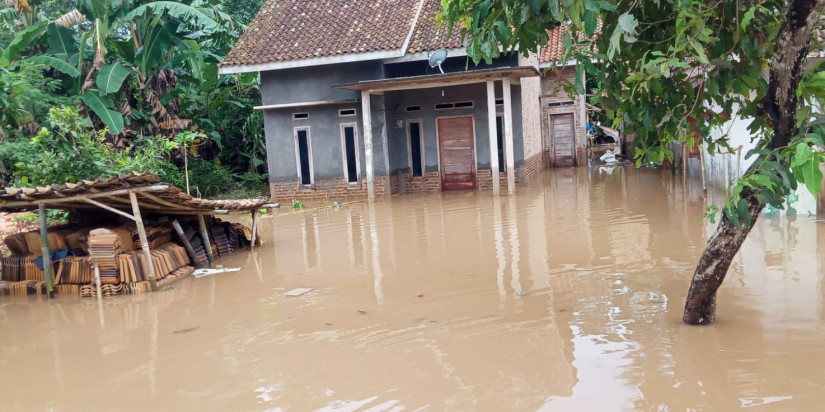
[[567, 296]]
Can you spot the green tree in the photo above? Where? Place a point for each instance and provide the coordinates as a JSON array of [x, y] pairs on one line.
[[665, 62]]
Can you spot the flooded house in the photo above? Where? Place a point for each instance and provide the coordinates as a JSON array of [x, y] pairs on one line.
[[367, 99]]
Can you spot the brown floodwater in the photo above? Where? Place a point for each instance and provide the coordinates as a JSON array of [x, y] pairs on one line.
[[565, 297]]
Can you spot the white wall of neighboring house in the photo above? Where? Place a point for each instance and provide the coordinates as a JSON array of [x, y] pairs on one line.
[[721, 170], [531, 108]]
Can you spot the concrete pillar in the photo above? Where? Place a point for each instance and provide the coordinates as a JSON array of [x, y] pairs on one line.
[[366, 116], [508, 136], [491, 119]]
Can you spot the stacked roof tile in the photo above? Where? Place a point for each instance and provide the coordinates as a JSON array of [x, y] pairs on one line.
[[428, 34]]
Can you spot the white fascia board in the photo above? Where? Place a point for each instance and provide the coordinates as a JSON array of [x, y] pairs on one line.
[[547, 65], [458, 52], [315, 61]]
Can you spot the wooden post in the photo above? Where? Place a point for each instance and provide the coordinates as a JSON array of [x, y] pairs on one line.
[[97, 281], [47, 258], [702, 163], [366, 116], [149, 268], [491, 124], [185, 241], [254, 229], [206, 243], [508, 136]]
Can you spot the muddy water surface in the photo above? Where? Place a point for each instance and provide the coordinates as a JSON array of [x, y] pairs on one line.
[[567, 296]]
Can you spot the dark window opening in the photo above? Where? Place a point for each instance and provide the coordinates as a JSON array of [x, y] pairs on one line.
[[349, 142], [415, 149], [500, 138], [300, 115], [346, 112], [554, 104], [442, 106], [460, 105], [413, 108], [303, 154], [499, 102], [455, 105]]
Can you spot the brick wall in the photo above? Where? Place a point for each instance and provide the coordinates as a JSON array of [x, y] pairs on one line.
[[327, 190], [533, 166], [484, 182], [429, 183]]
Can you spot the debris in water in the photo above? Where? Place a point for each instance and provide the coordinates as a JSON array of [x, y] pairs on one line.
[[522, 293], [186, 330], [420, 296], [363, 312], [297, 292], [199, 273], [419, 320]]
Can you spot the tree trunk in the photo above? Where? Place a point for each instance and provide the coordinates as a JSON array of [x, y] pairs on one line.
[[700, 307]]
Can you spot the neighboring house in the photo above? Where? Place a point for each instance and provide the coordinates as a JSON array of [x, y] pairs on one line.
[[563, 119], [352, 108]]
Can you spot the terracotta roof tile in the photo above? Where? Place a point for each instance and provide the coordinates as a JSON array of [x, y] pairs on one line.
[[555, 45], [428, 35], [554, 50], [286, 30]]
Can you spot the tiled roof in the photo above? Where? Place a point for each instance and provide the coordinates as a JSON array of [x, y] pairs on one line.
[[554, 50], [286, 30], [428, 35]]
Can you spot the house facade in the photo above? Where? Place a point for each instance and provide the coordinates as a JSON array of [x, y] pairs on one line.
[[353, 109]]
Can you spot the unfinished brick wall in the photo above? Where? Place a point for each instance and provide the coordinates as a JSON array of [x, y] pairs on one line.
[[429, 183], [533, 166], [327, 190]]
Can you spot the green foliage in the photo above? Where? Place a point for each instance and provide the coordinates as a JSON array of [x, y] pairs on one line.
[[242, 11], [136, 69], [675, 70], [297, 205], [70, 152]]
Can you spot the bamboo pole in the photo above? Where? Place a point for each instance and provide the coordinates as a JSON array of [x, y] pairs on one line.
[[206, 243], [185, 242], [254, 229], [144, 242], [44, 243]]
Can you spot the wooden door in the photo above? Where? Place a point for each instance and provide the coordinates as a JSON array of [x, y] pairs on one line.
[[562, 140], [455, 137]]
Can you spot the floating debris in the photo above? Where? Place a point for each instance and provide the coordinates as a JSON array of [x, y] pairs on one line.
[[297, 292]]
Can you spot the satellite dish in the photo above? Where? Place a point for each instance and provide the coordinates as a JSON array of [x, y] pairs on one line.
[[437, 58]]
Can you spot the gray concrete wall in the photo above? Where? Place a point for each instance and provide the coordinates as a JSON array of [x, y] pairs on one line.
[[310, 84], [325, 140], [397, 118]]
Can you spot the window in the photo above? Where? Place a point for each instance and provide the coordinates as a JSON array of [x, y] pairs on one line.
[[454, 105], [297, 116], [416, 148], [499, 102], [346, 112], [500, 138], [413, 108], [303, 155], [554, 104], [350, 144]]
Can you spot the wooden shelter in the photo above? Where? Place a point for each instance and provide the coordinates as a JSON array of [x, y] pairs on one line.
[[127, 196]]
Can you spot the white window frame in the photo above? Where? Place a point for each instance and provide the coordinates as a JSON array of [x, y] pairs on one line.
[[420, 143], [354, 126], [341, 112], [295, 131]]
